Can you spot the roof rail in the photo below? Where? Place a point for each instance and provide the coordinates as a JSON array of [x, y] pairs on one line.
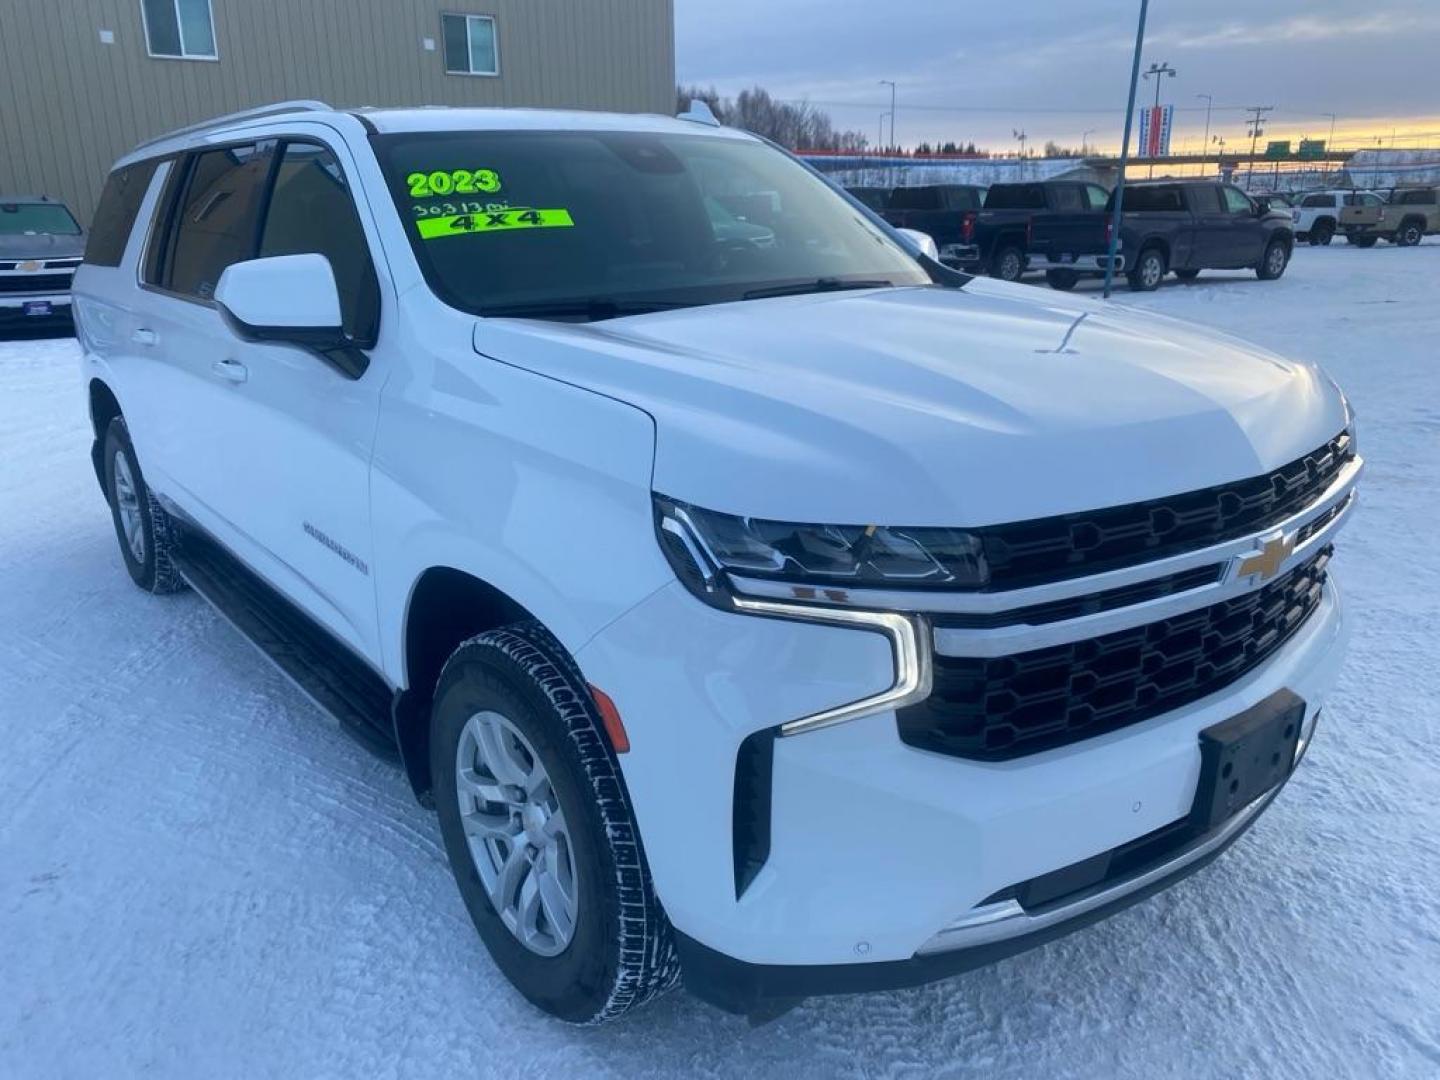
[[279, 107]]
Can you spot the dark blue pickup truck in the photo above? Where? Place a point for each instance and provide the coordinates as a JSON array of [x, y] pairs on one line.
[[995, 239], [1166, 226]]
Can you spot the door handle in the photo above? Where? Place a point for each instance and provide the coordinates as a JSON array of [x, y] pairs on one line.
[[144, 336], [230, 370]]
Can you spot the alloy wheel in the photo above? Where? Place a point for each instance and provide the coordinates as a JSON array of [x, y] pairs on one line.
[[1275, 260], [127, 504], [517, 833]]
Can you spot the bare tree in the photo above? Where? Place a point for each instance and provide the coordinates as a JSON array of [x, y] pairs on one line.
[[798, 126]]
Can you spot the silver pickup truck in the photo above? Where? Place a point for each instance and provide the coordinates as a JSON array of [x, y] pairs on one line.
[[41, 244]]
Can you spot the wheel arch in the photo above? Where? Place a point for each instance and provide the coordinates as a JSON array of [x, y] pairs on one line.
[[104, 407], [446, 607]]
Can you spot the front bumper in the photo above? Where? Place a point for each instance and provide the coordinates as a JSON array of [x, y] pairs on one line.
[[19, 309], [875, 847]]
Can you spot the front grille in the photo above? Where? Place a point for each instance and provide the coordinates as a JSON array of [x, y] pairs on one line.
[[1071, 545], [1004, 707], [35, 283]]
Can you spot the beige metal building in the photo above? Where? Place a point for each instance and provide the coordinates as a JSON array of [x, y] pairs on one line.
[[81, 81]]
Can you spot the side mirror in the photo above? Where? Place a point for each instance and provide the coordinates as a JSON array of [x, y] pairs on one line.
[[290, 298], [920, 243]]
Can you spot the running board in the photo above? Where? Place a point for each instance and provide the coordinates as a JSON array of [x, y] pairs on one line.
[[322, 668]]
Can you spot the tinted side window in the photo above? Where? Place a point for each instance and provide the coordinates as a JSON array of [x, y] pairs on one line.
[[311, 210], [1015, 197], [1318, 200], [963, 198], [1418, 198], [214, 224], [915, 198], [115, 216], [1204, 199], [1153, 198], [1067, 198], [1236, 201]]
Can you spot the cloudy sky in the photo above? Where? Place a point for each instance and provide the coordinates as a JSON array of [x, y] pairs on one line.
[[1058, 69]]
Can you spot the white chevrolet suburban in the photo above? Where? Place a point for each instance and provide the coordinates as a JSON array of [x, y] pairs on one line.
[[772, 607]]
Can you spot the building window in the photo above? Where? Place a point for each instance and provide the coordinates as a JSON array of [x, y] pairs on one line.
[[179, 29], [470, 47]]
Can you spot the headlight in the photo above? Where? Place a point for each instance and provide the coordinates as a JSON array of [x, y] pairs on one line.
[[704, 545]]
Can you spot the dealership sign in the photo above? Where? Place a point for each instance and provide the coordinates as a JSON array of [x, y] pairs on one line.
[[1155, 131]]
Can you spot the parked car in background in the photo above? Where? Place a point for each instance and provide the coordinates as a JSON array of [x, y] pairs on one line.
[[995, 239], [1272, 200], [1167, 226], [41, 244], [1405, 218], [658, 563], [1316, 217], [877, 198], [938, 210]]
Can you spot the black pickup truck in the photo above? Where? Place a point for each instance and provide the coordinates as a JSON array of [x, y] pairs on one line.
[[934, 209], [995, 239], [1179, 226]]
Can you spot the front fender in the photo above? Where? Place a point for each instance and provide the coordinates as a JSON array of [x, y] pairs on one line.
[[536, 487]]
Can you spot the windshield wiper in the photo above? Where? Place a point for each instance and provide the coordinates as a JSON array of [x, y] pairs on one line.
[[818, 285], [585, 307]]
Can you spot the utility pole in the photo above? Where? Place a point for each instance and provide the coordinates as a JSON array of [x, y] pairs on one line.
[[1257, 128], [1125, 151], [891, 83], [1162, 68], [1085, 141], [1330, 143], [1209, 103]]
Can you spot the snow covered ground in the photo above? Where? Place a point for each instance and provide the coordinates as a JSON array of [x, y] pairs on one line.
[[200, 877]]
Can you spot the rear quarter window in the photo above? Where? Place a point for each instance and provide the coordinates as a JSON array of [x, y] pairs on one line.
[[115, 216], [915, 198]]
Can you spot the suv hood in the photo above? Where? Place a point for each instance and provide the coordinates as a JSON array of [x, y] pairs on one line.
[[42, 246], [930, 406]]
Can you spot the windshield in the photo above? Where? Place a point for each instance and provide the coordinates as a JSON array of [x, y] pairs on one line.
[[17, 219], [592, 224]]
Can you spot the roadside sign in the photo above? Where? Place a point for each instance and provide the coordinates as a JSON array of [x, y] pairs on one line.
[[1312, 149], [1279, 148]]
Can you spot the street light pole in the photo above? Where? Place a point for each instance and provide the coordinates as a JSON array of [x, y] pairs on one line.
[[1209, 102], [1085, 141], [1125, 150], [891, 83]]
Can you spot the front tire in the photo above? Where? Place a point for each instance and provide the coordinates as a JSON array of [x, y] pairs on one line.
[[1322, 233], [1409, 234], [1064, 280], [1149, 271], [145, 531], [1273, 262], [1362, 241], [539, 830]]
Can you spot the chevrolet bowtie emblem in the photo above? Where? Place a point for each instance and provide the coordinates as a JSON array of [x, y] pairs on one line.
[[1267, 561]]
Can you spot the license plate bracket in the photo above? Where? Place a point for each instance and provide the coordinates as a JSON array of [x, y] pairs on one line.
[[1245, 756]]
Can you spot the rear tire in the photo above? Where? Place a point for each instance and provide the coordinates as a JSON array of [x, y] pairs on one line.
[[1409, 234], [1064, 280], [512, 706], [1272, 264], [1362, 241], [145, 531], [1008, 263], [1148, 271], [1322, 233]]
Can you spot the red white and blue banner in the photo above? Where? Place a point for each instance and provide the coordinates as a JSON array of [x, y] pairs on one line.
[[1155, 131]]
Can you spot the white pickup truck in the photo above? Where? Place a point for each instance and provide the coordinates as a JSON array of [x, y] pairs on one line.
[[793, 617]]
